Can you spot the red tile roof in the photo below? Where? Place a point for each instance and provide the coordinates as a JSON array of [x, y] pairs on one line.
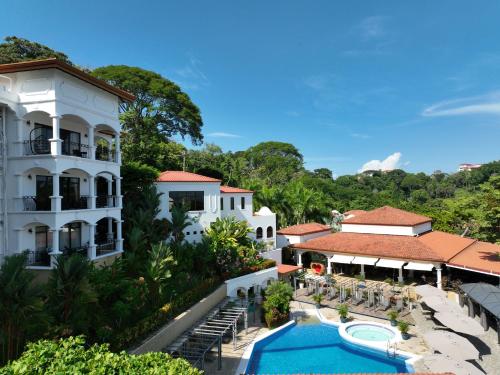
[[230, 189], [180, 176], [303, 229], [287, 268], [388, 216], [53, 63], [354, 212], [446, 244], [480, 256]]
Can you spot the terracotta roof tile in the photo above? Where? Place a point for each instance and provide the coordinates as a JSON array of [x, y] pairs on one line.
[[287, 268], [381, 245], [180, 176], [480, 256], [445, 244], [355, 212], [388, 216], [230, 189], [303, 229]]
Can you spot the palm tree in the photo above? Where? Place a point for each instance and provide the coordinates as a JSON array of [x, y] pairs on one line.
[[302, 200], [158, 270], [21, 307], [180, 221], [71, 295]]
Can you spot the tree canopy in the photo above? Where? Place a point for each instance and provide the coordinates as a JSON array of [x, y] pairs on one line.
[[16, 49]]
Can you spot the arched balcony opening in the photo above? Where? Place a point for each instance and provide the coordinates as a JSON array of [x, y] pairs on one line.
[[107, 236], [32, 132], [74, 238], [74, 189], [35, 187], [107, 143], [36, 241], [106, 190]]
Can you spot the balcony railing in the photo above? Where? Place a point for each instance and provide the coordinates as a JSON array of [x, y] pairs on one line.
[[32, 203], [75, 203], [82, 250], [105, 154], [103, 201], [105, 247], [39, 257], [42, 147]]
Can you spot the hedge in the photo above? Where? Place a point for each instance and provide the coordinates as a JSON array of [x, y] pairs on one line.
[[72, 356], [265, 264], [129, 336]]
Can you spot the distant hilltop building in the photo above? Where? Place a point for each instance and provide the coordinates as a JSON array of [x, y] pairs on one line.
[[468, 167]]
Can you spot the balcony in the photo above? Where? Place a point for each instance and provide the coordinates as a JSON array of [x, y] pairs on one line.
[[39, 257], [82, 250], [42, 147], [106, 201], [32, 203], [105, 248], [75, 203], [105, 154]]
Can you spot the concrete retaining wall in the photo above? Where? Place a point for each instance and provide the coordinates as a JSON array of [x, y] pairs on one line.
[[168, 333]]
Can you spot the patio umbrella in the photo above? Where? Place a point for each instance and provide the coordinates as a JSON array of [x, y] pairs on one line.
[[451, 344], [428, 290], [440, 304], [459, 322], [445, 364]]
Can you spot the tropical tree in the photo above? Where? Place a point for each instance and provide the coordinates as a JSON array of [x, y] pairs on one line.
[[16, 49], [158, 271], [180, 221], [302, 201], [71, 298], [21, 307]]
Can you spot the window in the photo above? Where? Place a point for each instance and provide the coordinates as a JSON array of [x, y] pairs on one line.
[[43, 193], [188, 233], [242, 203], [190, 200], [232, 203], [221, 203], [43, 238], [259, 233], [269, 232], [195, 232], [69, 189], [71, 236]]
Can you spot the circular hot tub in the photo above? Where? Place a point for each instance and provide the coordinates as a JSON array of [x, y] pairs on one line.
[[370, 332]]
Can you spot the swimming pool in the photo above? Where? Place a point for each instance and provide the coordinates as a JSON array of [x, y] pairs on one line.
[[370, 332], [317, 348]]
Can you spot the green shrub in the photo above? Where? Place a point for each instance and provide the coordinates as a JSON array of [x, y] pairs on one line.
[[72, 356], [393, 315], [343, 310], [277, 303], [403, 326]]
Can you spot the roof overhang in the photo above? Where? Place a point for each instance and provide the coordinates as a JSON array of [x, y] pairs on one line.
[[390, 263], [53, 63], [419, 266]]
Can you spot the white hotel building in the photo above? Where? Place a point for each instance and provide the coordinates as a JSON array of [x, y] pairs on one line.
[[60, 182], [207, 200]]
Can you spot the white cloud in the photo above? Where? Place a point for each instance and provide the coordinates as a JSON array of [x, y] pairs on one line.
[[360, 135], [223, 135], [318, 82], [191, 76], [372, 27], [483, 104], [389, 163]]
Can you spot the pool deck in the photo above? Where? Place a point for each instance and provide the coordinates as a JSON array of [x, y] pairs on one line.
[[490, 350]]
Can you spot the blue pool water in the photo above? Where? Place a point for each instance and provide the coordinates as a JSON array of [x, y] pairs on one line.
[[317, 348]]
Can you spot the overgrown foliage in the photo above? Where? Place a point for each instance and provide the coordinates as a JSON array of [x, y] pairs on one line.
[[73, 356], [16, 49], [277, 303]]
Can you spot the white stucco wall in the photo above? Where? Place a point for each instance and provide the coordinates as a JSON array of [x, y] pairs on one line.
[[275, 254], [387, 229], [245, 282], [285, 240]]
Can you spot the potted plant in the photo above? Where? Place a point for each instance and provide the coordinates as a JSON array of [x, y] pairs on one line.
[[393, 317], [404, 327], [318, 298], [301, 276], [343, 310]]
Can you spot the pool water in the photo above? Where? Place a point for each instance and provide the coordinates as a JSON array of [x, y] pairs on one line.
[[317, 348], [370, 332]]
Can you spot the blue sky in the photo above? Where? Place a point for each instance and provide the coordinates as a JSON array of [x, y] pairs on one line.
[[393, 83]]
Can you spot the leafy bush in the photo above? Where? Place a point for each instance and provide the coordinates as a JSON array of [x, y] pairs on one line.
[[403, 326], [72, 356], [343, 310], [277, 304], [393, 315]]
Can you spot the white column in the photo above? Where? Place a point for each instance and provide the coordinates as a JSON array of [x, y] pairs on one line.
[[400, 277], [56, 198], [328, 266], [91, 143], [362, 273], [55, 241], [438, 277], [110, 192], [119, 239], [55, 141], [20, 124], [299, 258], [118, 148], [92, 192], [118, 187], [92, 247], [110, 229], [19, 191]]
